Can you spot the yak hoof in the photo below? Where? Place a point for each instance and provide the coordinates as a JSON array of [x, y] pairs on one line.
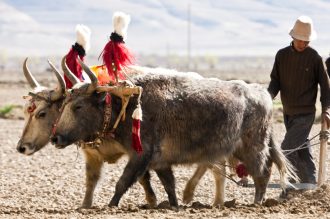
[[152, 202], [112, 204], [218, 204], [82, 208], [175, 208], [85, 206], [258, 202], [187, 197], [148, 206]]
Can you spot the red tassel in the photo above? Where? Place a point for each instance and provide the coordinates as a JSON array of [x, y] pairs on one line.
[[107, 99], [241, 170], [73, 65], [116, 56], [136, 140]]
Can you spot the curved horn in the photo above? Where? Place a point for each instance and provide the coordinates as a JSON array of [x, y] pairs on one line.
[[29, 77], [89, 72], [72, 77], [59, 92]]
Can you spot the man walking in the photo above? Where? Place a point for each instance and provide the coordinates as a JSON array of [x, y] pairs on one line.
[[298, 70]]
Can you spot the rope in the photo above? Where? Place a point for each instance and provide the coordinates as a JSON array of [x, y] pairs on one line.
[[324, 135], [227, 176]]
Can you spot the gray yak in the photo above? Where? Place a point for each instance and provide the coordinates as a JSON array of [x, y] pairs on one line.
[[185, 121], [41, 111]]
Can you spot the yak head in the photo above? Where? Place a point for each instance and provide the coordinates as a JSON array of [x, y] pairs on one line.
[[40, 112], [82, 114]]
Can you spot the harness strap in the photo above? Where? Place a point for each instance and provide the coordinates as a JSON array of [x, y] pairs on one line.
[[30, 110], [106, 122], [107, 115], [59, 116]]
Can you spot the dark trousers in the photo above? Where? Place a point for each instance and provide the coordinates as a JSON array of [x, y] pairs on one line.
[[298, 128]]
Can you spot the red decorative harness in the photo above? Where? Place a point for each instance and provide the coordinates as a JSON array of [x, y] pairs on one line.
[[106, 122]]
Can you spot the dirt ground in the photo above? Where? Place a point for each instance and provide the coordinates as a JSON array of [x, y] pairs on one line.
[[50, 183]]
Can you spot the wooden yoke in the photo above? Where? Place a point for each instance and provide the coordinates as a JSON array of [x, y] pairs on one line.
[[120, 91], [124, 92], [323, 155]]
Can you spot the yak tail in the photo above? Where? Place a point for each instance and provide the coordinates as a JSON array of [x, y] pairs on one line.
[[284, 166]]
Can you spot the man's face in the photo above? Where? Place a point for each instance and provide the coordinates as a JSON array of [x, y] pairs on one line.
[[300, 45]]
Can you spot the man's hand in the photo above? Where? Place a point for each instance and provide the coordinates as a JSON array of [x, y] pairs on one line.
[[325, 117]]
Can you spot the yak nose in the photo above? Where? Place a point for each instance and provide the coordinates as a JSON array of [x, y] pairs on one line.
[[56, 139], [21, 148]]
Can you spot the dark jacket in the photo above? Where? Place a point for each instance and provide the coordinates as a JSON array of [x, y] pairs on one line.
[[327, 63], [297, 76]]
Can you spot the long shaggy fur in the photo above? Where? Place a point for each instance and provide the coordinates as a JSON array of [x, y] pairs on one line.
[[185, 120]]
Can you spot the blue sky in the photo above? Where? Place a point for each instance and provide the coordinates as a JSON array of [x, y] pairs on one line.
[[218, 27]]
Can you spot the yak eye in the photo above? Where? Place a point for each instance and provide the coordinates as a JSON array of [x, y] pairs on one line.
[[77, 107], [41, 114]]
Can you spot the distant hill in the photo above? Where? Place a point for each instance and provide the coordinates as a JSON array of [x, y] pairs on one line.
[[218, 27]]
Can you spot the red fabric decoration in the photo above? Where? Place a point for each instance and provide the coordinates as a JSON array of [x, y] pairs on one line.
[[32, 107], [241, 170], [136, 140], [73, 65], [116, 56], [107, 99]]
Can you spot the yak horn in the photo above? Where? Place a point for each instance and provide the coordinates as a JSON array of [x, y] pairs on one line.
[[59, 92], [91, 75], [29, 77], [72, 77]]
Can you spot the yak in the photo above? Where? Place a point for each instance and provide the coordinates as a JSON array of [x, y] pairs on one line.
[[41, 111], [185, 121]]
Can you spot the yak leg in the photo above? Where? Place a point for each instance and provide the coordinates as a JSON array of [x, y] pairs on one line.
[[93, 171], [261, 183], [260, 176], [167, 178], [134, 169], [189, 190], [219, 173], [149, 192]]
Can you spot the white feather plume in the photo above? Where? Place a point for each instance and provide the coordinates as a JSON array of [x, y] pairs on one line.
[[83, 36], [120, 22]]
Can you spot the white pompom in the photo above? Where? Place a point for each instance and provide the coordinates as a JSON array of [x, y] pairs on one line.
[[120, 22], [83, 36], [137, 113]]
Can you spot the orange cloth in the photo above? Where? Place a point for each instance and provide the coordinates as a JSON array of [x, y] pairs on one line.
[[102, 74]]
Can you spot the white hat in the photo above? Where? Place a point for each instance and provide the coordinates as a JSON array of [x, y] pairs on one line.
[[303, 29]]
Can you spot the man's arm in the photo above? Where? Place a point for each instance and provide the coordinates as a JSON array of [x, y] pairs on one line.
[[274, 84], [327, 64]]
